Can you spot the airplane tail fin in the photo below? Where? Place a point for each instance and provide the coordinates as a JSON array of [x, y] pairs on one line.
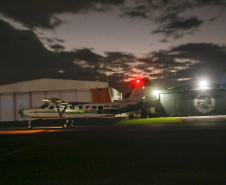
[[138, 92]]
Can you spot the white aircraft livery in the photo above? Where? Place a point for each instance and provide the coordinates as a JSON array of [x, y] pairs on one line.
[[55, 108]]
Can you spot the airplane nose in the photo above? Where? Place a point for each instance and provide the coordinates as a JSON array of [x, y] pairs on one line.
[[21, 112]]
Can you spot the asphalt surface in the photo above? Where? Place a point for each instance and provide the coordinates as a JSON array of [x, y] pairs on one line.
[[99, 152]]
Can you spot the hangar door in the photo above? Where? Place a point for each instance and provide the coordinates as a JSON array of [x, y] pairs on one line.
[[12, 103]]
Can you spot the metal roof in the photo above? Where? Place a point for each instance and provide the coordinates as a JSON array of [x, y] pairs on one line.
[[48, 84]]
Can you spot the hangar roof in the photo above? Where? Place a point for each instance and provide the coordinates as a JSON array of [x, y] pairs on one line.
[[48, 84]]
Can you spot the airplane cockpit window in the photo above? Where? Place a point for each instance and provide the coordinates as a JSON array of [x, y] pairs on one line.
[[51, 107], [45, 106]]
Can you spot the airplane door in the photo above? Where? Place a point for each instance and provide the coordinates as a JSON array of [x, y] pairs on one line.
[[100, 109]]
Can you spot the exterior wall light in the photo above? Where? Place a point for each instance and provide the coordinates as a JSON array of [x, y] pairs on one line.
[[156, 94], [203, 84]]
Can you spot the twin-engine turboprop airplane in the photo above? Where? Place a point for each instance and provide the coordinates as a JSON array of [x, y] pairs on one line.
[[55, 108]]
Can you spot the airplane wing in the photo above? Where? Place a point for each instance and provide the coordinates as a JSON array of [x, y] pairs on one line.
[[54, 100]]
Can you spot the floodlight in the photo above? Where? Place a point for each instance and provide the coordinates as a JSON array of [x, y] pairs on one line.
[[203, 84], [155, 93]]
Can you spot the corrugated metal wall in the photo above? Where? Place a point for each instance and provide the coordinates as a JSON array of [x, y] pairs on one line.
[[194, 103]]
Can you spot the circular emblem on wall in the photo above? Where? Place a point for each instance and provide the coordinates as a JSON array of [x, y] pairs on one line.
[[204, 102]]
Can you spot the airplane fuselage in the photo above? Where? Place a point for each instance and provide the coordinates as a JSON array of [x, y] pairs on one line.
[[49, 111]]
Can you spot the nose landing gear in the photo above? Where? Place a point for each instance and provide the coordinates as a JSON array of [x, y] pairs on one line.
[[29, 126]]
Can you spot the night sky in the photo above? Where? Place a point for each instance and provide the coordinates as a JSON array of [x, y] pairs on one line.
[[169, 42]]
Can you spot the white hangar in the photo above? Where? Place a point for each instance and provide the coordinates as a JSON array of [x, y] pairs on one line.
[[17, 96]]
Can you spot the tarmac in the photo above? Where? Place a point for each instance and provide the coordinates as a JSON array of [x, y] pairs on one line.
[[103, 153]]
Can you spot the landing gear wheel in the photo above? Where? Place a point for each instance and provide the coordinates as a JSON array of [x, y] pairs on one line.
[[72, 125], [65, 125]]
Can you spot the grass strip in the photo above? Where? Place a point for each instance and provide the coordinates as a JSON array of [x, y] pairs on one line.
[[150, 121]]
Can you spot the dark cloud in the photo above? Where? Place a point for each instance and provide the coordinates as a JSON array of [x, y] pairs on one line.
[[87, 54], [193, 60], [42, 13], [171, 67], [136, 12], [23, 57], [211, 2], [17, 43], [184, 23], [54, 44], [57, 47], [59, 40], [184, 61], [20, 51], [168, 14], [211, 57], [119, 57], [178, 26]]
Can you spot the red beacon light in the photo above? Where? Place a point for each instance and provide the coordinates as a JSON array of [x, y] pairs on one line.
[[138, 82]]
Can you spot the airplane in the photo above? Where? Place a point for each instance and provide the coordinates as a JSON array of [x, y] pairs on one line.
[[55, 108]]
